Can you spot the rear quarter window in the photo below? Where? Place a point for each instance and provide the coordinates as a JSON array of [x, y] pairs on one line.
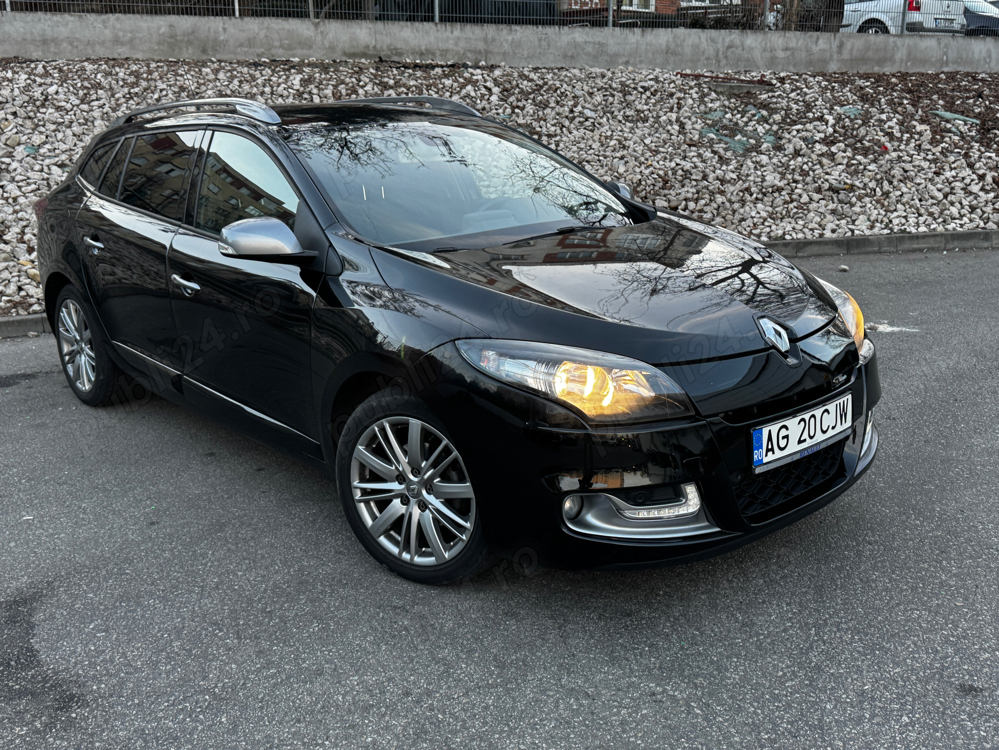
[[112, 175], [94, 166]]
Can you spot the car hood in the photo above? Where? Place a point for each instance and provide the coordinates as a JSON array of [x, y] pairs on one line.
[[672, 275]]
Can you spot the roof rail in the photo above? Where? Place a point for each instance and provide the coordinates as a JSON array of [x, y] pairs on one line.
[[434, 101], [246, 107]]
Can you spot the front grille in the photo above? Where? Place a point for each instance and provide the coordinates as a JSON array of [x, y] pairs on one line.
[[761, 493]]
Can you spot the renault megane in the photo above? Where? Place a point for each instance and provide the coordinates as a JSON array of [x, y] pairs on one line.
[[489, 348]]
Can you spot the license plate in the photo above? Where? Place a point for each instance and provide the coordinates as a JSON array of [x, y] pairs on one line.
[[949, 22], [795, 438]]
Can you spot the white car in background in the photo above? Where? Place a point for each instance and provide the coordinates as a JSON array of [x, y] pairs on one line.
[[921, 17]]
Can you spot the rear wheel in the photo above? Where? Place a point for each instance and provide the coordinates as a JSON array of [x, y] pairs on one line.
[[873, 27], [85, 359], [406, 492]]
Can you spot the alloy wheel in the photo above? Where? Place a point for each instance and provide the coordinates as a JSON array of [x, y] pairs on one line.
[[412, 492], [77, 346]]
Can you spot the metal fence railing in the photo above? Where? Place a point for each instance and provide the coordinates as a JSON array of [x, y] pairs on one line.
[[971, 17]]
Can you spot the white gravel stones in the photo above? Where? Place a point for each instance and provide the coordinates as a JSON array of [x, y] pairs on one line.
[[813, 156]]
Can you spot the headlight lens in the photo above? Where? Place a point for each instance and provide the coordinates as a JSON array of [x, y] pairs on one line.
[[604, 387], [849, 310]]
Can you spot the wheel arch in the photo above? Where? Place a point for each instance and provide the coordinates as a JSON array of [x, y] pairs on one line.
[[350, 394], [357, 379], [874, 20], [54, 284], [59, 270]]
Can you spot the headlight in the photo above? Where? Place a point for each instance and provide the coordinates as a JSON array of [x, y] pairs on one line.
[[604, 387], [849, 310]]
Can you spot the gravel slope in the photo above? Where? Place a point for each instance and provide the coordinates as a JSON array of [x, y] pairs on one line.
[[806, 156]]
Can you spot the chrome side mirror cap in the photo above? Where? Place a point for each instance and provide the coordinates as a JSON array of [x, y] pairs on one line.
[[263, 238], [622, 189]]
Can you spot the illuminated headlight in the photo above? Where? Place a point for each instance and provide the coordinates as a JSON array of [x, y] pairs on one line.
[[690, 506], [603, 387], [849, 310]]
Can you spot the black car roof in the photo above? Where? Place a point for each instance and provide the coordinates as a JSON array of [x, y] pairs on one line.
[[233, 111], [252, 116]]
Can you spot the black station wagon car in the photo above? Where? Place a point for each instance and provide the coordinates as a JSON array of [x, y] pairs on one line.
[[494, 352]]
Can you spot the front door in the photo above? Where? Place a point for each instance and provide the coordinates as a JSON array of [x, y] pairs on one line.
[[244, 325]]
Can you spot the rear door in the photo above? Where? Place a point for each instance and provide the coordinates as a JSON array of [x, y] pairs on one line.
[[244, 326], [125, 230]]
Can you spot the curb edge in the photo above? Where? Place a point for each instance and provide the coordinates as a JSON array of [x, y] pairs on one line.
[[22, 325], [977, 239]]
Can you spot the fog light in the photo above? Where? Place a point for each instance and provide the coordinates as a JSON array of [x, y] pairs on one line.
[[866, 351], [572, 506], [690, 506], [868, 431]]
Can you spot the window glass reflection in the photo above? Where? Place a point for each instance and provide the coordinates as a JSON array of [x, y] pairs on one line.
[[157, 171], [91, 171], [241, 181], [112, 177], [398, 182]]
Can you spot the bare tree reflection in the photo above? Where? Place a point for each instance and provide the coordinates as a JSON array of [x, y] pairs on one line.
[[744, 274], [408, 180]]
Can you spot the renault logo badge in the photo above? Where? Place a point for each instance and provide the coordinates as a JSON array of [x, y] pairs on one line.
[[775, 335]]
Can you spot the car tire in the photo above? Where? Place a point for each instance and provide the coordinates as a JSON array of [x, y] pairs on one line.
[[417, 518], [86, 362], [873, 27]]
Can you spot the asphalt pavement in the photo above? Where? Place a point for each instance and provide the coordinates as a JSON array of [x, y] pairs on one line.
[[167, 583]]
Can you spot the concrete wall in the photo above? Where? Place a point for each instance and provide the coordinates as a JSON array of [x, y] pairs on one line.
[[61, 36]]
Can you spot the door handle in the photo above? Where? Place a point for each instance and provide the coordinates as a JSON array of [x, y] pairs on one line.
[[94, 245], [188, 287]]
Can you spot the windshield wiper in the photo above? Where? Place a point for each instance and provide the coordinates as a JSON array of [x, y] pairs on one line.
[[560, 230], [555, 233]]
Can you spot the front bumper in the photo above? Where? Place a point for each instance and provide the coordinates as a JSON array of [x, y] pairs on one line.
[[525, 456]]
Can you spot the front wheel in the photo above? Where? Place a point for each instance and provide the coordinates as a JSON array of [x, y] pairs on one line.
[[406, 492]]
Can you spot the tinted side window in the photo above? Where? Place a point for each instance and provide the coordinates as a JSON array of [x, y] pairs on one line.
[[241, 181], [112, 177], [92, 170], [157, 171]]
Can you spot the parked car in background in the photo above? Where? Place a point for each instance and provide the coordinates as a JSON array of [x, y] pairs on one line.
[[982, 18], [920, 17]]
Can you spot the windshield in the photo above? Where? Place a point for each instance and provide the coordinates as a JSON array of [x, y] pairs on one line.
[[399, 182], [980, 6]]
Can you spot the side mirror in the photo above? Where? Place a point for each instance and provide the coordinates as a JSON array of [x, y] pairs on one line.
[[263, 238], [622, 189]]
